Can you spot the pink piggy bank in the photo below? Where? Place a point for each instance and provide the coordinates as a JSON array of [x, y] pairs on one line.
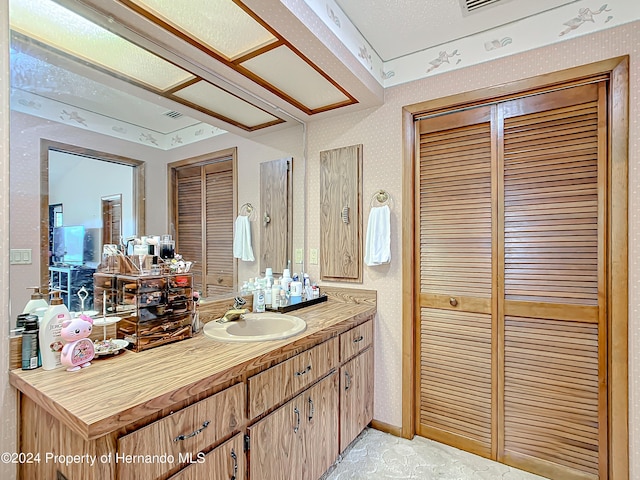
[[78, 351]]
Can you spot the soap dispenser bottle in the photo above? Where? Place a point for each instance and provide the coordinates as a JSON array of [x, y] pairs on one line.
[[49, 336], [37, 301]]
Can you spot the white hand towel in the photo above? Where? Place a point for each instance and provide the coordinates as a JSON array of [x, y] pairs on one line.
[[242, 240], [378, 241]]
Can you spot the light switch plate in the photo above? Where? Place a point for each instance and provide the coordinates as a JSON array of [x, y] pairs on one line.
[[298, 255], [313, 256], [20, 256]]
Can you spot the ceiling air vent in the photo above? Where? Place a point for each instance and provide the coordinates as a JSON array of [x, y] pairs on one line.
[[470, 6], [172, 114]]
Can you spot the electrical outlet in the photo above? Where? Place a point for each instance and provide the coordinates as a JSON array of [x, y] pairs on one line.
[[313, 256], [298, 255]]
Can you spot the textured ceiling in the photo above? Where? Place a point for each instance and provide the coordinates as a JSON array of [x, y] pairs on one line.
[[395, 28]]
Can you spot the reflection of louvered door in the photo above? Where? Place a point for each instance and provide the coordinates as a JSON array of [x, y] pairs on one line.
[[188, 221], [219, 266], [513, 358], [554, 319], [455, 336], [204, 224]]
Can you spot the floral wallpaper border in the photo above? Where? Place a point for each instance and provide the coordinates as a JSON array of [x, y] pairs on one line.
[[577, 18], [42, 107]]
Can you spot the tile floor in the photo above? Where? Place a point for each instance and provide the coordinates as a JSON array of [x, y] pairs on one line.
[[376, 455]]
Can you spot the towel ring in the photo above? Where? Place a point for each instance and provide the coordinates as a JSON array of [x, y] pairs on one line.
[[247, 210], [380, 198]]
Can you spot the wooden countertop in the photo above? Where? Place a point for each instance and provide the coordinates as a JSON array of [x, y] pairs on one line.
[[117, 391]]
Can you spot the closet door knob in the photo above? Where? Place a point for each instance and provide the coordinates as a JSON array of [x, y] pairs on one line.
[[453, 301]]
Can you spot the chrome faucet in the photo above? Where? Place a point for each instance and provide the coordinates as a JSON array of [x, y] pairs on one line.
[[236, 312]]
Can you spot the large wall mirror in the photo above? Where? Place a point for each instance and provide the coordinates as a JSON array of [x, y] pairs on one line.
[[60, 105]]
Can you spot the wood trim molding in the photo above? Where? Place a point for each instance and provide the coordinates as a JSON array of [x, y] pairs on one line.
[[409, 298], [617, 71], [618, 272], [386, 428]]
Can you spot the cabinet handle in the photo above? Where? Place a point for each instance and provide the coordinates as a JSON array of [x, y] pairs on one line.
[[453, 302], [359, 339], [297, 427], [192, 434], [311, 409], [235, 465], [348, 378], [304, 372], [344, 214]]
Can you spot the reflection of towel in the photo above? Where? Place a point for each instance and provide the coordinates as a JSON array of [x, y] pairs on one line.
[[242, 240], [378, 242]]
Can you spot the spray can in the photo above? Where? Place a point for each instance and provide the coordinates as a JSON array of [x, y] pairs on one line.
[[30, 350]]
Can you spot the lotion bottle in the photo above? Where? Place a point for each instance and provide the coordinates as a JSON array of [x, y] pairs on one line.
[[49, 336], [37, 301]]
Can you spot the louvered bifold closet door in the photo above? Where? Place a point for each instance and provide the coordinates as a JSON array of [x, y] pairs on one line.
[[455, 332], [554, 403], [219, 266], [189, 219]]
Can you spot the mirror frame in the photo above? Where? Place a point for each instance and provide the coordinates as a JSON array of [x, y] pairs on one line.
[[138, 193]]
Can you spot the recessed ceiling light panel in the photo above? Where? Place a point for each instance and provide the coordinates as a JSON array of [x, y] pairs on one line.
[[221, 25], [68, 32], [216, 100], [285, 70]]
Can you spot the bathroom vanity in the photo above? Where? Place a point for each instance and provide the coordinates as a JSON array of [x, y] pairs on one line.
[[200, 409]]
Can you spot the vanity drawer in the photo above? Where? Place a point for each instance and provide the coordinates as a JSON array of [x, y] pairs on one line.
[[222, 463], [183, 433], [355, 340], [271, 387]]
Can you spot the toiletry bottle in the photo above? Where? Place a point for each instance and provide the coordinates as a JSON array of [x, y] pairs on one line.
[[255, 293], [30, 351], [259, 299], [283, 301], [37, 301], [268, 298], [275, 296], [49, 335], [286, 280]]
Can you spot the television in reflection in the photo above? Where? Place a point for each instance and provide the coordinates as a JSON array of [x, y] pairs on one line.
[[68, 244]]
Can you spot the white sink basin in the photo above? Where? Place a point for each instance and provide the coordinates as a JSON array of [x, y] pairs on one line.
[[256, 327]]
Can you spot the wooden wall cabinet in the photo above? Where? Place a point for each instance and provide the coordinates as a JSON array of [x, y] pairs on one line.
[[276, 232], [341, 214]]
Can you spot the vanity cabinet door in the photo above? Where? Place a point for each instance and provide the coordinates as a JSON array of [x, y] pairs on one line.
[[321, 427], [298, 441], [275, 451], [356, 397], [226, 462]]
